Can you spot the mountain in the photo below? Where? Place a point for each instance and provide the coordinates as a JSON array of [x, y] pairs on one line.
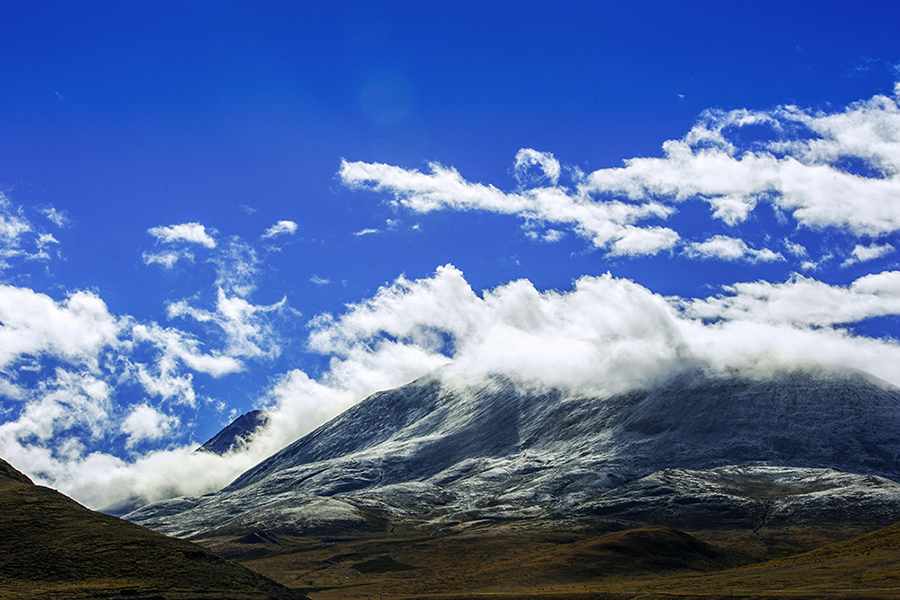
[[52, 547], [434, 454], [234, 435]]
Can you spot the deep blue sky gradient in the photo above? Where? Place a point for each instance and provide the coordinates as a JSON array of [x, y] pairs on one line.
[[132, 115]]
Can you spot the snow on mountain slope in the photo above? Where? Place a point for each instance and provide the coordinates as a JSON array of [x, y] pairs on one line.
[[444, 453]]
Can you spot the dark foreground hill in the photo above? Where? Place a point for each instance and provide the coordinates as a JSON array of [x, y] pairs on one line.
[[52, 547]]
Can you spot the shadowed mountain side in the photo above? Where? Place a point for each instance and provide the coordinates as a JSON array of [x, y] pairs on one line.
[[437, 453], [235, 434], [750, 497], [52, 547]]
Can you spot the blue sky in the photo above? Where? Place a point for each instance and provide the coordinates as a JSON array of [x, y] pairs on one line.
[[212, 207]]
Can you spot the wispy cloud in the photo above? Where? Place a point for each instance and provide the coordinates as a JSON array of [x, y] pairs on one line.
[[319, 280], [281, 228], [606, 224], [246, 333], [527, 159], [20, 240], [58, 217], [366, 232], [167, 259]]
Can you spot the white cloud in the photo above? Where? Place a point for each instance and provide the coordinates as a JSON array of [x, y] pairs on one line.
[[604, 223], [319, 280], [19, 238], [804, 176], [75, 329], [526, 158], [166, 260], [839, 170], [802, 301], [65, 401], [237, 267], [245, 332], [866, 253], [58, 217], [12, 225], [176, 345], [280, 228], [194, 233], [604, 335], [730, 249], [796, 249], [366, 232], [144, 423]]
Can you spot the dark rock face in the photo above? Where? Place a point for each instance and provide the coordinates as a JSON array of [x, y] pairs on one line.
[[437, 453], [52, 547], [750, 497], [233, 436]]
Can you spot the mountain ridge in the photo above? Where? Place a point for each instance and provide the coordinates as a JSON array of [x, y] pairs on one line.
[[443, 454]]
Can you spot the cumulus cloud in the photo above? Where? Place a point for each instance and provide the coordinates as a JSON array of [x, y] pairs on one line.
[[33, 324], [731, 249], [281, 228], [145, 422], [862, 253], [826, 170], [194, 233]]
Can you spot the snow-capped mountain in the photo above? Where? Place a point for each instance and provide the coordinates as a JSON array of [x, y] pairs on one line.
[[434, 452]]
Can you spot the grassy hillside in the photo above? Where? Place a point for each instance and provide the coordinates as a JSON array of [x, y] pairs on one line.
[[52, 547], [516, 562]]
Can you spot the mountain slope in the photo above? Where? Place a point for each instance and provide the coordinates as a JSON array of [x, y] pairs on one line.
[[235, 434], [52, 547], [439, 453]]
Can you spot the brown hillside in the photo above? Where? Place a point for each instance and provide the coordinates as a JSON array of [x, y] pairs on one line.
[[866, 566], [52, 547]]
